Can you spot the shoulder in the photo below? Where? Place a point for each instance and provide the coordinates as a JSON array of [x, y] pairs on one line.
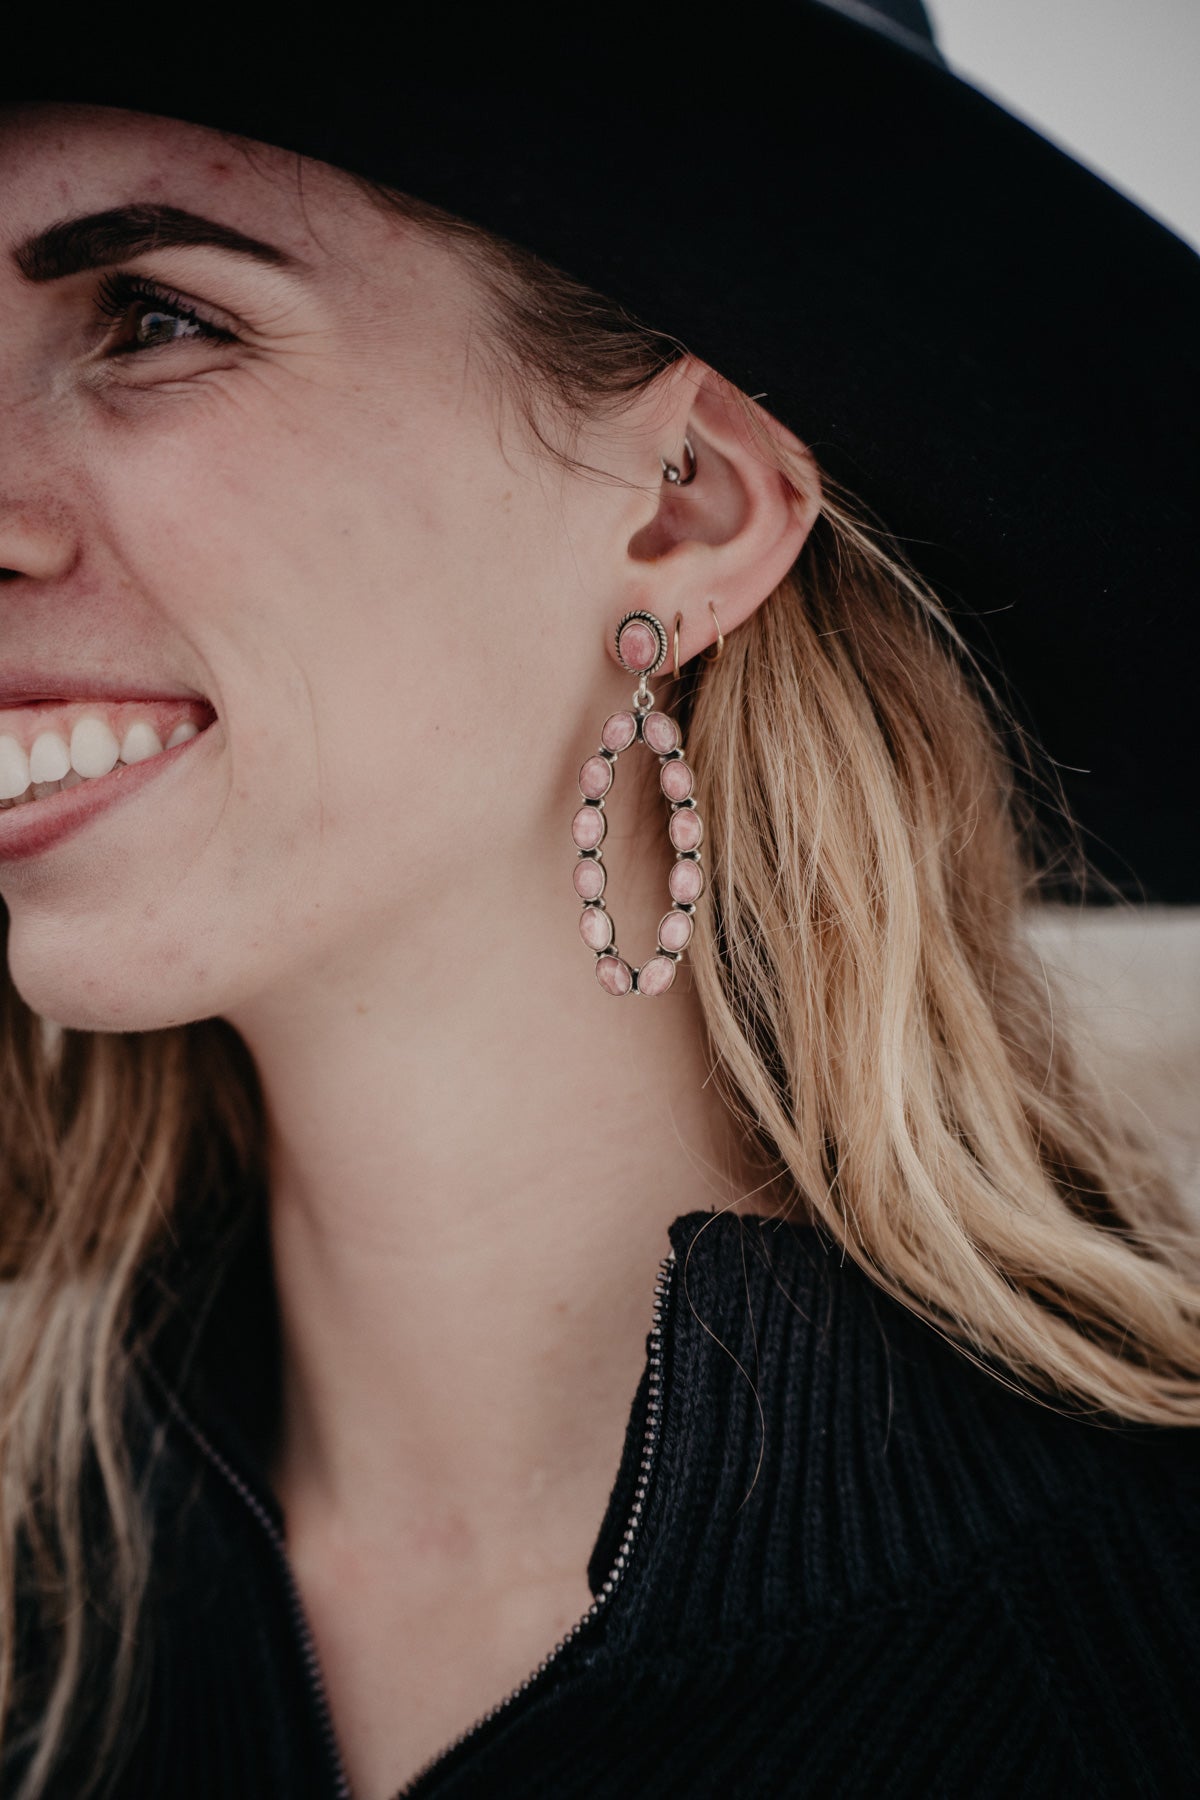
[[935, 1463], [933, 1506], [872, 1517]]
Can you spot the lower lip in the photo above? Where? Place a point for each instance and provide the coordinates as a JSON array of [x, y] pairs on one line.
[[39, 824]]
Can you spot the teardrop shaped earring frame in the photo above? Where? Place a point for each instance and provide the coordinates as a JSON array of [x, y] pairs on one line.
[[685, 882]]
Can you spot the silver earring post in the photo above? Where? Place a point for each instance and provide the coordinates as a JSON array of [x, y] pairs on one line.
[[672, 471]]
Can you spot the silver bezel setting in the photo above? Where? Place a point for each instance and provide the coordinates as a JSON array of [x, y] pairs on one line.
[[660, 631]]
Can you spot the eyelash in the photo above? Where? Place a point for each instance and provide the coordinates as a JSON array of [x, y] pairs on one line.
[[118, 294]]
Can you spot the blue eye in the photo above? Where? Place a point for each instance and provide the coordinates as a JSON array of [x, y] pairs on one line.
[[157, 317]]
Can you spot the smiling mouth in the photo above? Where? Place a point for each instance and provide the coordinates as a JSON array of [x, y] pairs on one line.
[[52, 746]]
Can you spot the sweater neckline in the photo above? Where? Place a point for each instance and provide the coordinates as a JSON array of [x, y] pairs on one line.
[[213, 1369], [820, 1455]]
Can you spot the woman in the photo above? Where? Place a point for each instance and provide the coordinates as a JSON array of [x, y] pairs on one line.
[[337, 1458]]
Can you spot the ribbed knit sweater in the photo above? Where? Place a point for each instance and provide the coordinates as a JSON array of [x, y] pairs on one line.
[[839, 1559]]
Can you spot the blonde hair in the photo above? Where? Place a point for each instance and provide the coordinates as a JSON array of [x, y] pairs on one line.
[[880, 1026]]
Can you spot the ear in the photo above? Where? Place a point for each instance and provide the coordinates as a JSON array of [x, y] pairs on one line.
[[731, 533]]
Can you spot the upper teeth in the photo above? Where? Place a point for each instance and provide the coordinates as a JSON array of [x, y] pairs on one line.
[[94, 750]]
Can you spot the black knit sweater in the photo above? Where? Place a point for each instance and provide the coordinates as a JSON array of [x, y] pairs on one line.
[[838, 1559]]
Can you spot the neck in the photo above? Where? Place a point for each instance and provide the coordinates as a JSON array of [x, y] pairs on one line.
[[473, 1163]]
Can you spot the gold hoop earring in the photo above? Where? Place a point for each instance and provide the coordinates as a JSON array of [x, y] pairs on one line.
[[711, 655], [675, 644]]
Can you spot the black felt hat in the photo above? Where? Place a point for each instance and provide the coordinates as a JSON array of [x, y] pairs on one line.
[[993, 347]]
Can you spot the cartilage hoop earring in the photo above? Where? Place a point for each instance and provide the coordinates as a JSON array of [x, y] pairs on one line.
[[673, 473], [642, 649], [712, 654]]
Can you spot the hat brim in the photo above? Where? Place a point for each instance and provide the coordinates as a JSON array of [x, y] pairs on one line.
[[981, 337]]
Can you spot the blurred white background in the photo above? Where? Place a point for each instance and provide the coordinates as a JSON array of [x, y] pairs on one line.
[[1117, 84]]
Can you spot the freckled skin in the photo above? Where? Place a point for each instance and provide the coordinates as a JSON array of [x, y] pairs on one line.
[[299, 529], [337, 531]]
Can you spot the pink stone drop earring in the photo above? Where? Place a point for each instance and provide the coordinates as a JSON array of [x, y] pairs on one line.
[[642, 649]]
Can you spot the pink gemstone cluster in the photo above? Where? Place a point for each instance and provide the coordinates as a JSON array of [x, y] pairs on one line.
[[661, 734]]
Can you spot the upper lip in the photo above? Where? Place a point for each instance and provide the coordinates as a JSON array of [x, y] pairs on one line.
[[28, 687]]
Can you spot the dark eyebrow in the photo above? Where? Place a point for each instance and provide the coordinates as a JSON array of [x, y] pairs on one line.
[[101, 239]]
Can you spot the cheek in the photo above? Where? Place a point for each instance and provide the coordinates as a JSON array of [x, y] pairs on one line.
[[360, 623], [389, 542]]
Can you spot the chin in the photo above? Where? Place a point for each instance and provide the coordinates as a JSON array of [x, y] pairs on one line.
[[86, 983]]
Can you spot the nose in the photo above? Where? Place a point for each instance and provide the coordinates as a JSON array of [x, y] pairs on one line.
[[36, 539], [39, 472], [38, 527]]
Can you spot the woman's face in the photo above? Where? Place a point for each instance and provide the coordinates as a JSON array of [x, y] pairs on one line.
[[283, 483]]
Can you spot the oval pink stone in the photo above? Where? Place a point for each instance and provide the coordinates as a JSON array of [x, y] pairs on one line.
[[588, 827], [675, 930], [638, 645], [685, 828], [619, 731], [686, 881], [614, 976], [660, 732], [675, 779], [656, 976], [595, 777], [589, 878], [595, 928]]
